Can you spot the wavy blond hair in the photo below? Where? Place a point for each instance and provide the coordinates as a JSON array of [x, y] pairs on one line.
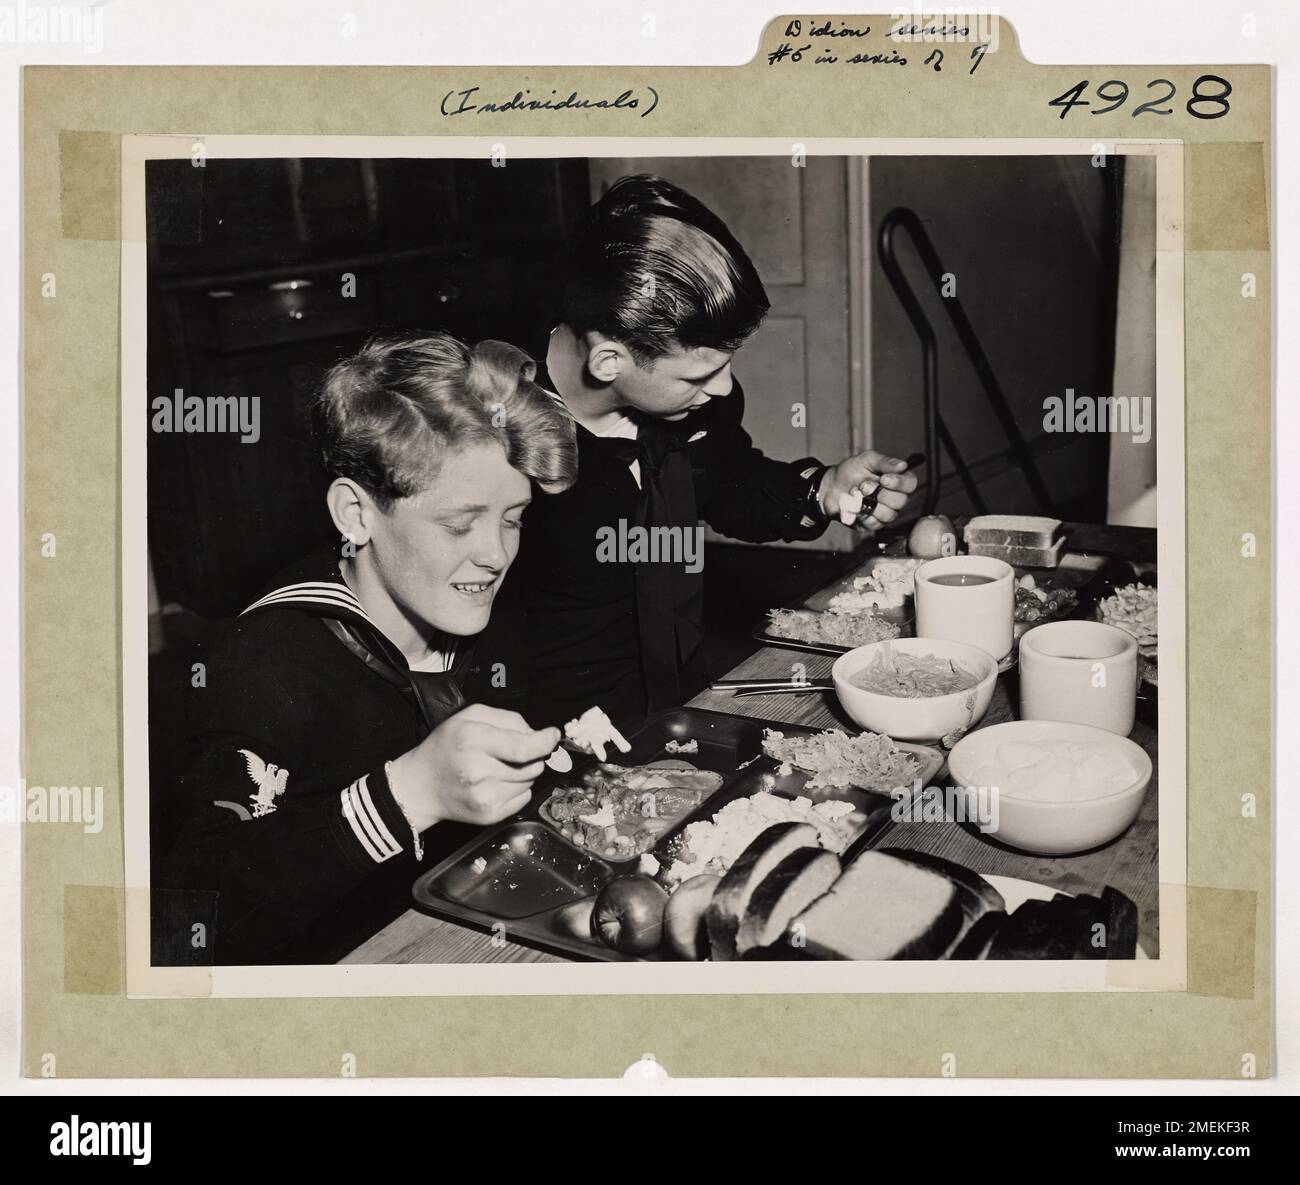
[[385, 416]]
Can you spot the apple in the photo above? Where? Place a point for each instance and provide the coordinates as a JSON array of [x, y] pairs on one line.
[[684, 928], [574, 919], [629, 914], [932, 536]]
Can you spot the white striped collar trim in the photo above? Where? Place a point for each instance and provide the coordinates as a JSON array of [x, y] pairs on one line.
[[338, 596], [317, 592]]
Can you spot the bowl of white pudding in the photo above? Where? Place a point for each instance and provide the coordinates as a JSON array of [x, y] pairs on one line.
[[1056, 788]]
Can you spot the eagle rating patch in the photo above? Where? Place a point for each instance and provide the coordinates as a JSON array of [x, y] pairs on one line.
[[270, 780]]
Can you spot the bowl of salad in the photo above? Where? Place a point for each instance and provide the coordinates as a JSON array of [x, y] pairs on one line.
[[915, 688]]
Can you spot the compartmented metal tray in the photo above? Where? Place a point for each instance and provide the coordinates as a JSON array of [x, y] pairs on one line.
[[514, 878]]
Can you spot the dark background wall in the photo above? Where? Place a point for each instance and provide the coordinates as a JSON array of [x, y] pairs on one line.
[[1032, 242]]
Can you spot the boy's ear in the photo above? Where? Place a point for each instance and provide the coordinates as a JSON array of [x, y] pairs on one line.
[[607, 359], [352, 510]]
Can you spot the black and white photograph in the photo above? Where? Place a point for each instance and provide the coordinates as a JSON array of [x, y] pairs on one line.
[[731, 554]]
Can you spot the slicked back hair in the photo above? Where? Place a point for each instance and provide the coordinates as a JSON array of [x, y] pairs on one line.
[[654, 268]]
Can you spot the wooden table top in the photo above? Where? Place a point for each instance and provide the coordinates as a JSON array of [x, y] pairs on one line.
[[1130, 863]]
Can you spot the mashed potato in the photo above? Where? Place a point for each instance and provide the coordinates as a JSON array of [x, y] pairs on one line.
[[1056, 771]]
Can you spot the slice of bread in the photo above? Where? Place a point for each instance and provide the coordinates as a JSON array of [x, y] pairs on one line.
[[1012, 530], [884, 907], [752, 867], [793, 885], [978, 897], [1021, 557]]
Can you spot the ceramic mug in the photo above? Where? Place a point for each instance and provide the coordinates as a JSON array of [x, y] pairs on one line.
[[1083, 672], [980, 613]]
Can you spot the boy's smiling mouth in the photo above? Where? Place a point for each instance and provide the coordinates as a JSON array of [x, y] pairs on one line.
[[474, 590]]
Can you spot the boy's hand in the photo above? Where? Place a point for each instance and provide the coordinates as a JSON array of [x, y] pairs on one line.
[[477, 766], [870, 473]]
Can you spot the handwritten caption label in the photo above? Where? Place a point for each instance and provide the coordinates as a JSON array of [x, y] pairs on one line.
[[959, 42], [471, 101]]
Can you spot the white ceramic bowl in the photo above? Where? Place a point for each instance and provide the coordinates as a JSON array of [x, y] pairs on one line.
[[1053, 828], [924, 718]]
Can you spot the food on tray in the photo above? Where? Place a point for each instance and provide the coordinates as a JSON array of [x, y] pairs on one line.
[[685, 934], [887, 586], [629, 914], [560, 761], [731, 898], [713, 845], [895, 905], [593, 731], [676, 746], [620, 812], [1035, 604], [1056, 771], [829, 629], [855, 617], [869, 761], [913, 676], [1133, 609]]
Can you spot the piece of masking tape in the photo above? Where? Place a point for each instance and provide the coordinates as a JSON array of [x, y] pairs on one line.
[[92, 941], [1227, 197], [1221, 942], [1206, 947], [89, 185]]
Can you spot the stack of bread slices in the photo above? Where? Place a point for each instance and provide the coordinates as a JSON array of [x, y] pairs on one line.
[[785, 897]]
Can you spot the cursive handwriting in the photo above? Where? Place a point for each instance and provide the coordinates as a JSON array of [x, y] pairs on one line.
[[467, 102], [825, 30]]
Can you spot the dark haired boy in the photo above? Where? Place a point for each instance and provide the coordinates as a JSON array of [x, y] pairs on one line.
[[656, 299]]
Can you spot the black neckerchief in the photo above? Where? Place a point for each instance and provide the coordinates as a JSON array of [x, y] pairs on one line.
[[670, 600]]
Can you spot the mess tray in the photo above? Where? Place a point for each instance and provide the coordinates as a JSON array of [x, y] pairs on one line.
[[513, 878]]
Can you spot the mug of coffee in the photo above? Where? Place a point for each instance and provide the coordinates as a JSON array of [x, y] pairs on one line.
[[967, 598], [1082, 672]]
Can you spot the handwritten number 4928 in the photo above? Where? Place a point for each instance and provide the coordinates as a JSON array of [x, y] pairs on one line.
[[1209, 98]]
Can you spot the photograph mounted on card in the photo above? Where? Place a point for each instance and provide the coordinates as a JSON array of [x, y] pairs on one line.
[[680, 538]]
